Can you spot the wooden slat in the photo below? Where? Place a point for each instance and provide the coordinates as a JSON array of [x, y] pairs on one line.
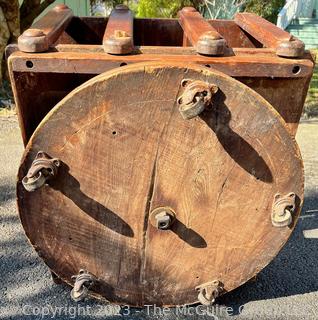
[[163, 50], [95, 63], [234, 36], [46, 31], [262, 30], [118, 36], [200, 33], [270, 35]]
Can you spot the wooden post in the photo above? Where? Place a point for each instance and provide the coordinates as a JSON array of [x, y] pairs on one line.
[[270, 35], [46, 31], [118, 36], [200, 33]]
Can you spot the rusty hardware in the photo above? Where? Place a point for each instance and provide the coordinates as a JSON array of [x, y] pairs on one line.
[[210, 44], [283, 208], [196, 97], [162, 218], [33, 40], [209, 291], [294, 48], [83, 281], [42, 169], [119, 43]]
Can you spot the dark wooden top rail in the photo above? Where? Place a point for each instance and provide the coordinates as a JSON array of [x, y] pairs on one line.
[[46, 31], [200, 33], [118, 36], [270, 35]]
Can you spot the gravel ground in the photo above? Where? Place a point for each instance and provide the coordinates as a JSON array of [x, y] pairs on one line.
[[286, 289]]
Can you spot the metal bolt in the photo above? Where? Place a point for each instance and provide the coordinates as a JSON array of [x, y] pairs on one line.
[[163, 220]]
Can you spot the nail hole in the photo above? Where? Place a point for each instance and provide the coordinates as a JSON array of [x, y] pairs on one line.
[[123, 64], [184, 83], [29, 64], [114, 133], [296, 69], [70, 238], [207, 65]]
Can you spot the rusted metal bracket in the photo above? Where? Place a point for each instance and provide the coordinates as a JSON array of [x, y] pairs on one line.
[[83, 281], [162, 218], [118, 36], [283, 208], [42, 169], [209, 291], [46, 31], [196, 96]]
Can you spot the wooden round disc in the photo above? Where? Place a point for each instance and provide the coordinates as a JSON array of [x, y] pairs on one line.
[[125, 151]]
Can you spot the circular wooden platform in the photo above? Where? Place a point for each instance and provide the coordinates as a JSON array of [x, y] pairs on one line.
[[125, 151]]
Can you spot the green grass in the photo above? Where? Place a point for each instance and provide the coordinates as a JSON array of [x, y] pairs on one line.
[[311, 104]]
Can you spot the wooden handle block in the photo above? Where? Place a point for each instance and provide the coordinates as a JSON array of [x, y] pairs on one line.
[[118, 36], [270, 35], [46, 31], [200, 33]]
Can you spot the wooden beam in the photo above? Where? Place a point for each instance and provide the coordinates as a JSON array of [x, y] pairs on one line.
[[45, 31], [118, 36], [245, 65], [270, 35], [200, 33]]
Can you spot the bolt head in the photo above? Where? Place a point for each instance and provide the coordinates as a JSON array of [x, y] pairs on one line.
[[163, 220]]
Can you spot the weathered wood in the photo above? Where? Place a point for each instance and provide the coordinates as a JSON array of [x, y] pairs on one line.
[[35, 94], [200, 33], [157, 32], [46, 31], [232, 34], [118, 36], [270, 35], [122, 158], [236, 66], [154, 31]]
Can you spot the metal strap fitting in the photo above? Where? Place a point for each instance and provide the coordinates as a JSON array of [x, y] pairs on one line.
[[196, 97], [283, 207], [42, 169], [83, 281], [209, 291]]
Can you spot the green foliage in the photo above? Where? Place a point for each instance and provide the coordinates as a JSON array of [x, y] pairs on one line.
[[267, 9], [311, 104], [161, 8]]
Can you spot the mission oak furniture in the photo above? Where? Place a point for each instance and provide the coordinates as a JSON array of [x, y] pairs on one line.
[[160, 164]]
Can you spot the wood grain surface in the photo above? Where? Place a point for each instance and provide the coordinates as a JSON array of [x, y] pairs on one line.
[[262, 30], [126, 150]]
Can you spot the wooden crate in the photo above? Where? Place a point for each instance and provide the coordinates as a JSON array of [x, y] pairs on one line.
[[160, 200]]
